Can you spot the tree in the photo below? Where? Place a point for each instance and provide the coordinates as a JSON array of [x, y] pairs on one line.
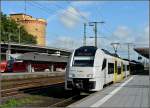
[[10, 28]]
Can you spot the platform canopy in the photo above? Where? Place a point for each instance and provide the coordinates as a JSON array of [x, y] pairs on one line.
[[39, 57], [143, 51]]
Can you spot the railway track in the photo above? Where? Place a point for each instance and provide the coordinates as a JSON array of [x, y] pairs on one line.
[[52, 88], [15, 87], [68, 101]]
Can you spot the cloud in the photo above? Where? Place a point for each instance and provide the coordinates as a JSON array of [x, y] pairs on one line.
[[146, 30], [66, 42], [142, 40], [53, 16], [122, 35], [12, 12], [71, 17], [122, 32]]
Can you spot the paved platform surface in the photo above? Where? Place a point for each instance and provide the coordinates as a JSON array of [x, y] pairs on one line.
[[132, 92], [6, 76]]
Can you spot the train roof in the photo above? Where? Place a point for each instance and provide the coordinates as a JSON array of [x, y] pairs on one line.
[[93, 49], [111, 54], [88, 47], [86, 51]]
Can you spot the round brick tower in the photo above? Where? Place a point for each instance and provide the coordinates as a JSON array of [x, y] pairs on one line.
[[34, 26]]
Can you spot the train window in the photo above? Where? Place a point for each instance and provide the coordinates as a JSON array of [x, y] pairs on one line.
[[110, 68], [124, 67], [85, 63], [127, 67], [115, 66], [104, 64], [85, 51], [119, 69]]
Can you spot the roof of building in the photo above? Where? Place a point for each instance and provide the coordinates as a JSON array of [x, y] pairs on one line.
[[20, 14], [35, 48], [143, 51], [39, 19], [41, 57]]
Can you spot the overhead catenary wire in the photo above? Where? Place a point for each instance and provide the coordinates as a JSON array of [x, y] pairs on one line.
[[49, 10], [45, 9], [54, 10]]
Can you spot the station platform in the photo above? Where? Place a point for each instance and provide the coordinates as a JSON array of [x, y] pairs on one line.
[[132, 92], [24, 75]]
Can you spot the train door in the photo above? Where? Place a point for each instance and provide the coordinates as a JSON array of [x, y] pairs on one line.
[[109, 71], [119, 71], [104, 70], [115, 72], [122, 71]]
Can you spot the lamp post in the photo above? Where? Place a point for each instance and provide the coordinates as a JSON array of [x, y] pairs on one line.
[[115, 46], [9, 46], [84, 38], [19, 38]]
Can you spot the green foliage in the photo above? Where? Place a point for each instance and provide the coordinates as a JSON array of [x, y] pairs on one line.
[[11, 28], [13, 103]]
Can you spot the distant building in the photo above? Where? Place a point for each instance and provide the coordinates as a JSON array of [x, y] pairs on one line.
[[34, 26]]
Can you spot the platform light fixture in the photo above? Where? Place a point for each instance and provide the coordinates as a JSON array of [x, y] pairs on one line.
[[115, 46], [19, 33]]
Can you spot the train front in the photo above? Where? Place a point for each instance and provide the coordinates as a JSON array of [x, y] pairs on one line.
[[80, 70]]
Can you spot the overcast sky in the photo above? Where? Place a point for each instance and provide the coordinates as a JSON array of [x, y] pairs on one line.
[[125, 21]]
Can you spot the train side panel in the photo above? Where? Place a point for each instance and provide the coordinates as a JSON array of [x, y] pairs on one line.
[[99, 70]]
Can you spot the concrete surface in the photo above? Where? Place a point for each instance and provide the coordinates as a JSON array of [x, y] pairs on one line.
[[6, 76], [133, 92]]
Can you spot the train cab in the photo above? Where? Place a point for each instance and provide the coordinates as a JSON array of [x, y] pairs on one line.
[[85, 69]]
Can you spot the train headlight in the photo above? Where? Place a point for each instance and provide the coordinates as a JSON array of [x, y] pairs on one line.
[[90, 75], [71, 75]]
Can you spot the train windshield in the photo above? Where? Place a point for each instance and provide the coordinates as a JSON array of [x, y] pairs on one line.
[[84, 56], [83, 61]]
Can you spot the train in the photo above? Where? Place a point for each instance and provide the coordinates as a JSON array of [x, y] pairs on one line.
[[14, 65], [137, 68], [91, 68], [22, 66]]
